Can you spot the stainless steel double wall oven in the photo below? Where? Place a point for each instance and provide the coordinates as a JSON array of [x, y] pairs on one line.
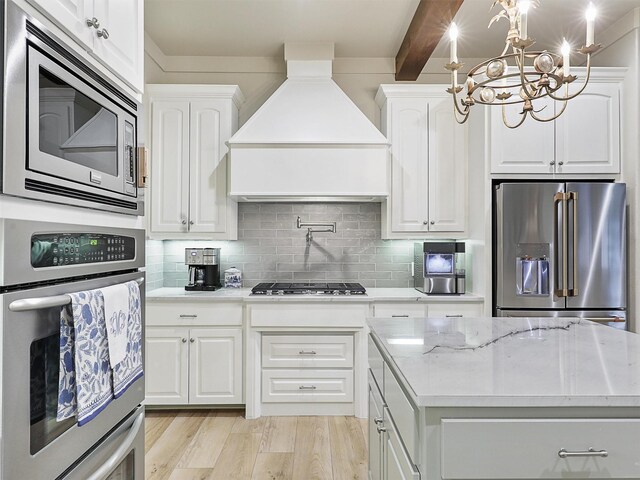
[[42, 263]]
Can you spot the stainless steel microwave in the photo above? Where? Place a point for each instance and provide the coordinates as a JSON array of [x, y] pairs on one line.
[[70, 134]]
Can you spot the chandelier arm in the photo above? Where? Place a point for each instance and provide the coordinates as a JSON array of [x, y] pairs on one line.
[[465, 117], [584, 85], [465, 112], [520, 62], [504, 118], [539, 119]]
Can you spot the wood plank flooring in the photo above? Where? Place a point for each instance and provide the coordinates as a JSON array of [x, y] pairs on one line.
[[223, 445]]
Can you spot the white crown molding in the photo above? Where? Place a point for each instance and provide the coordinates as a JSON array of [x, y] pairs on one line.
[[619, 29]]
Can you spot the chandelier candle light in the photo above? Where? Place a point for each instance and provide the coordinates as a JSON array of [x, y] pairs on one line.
[[521, 76]]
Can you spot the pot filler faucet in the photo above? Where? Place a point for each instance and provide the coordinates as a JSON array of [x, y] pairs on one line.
[[311, 228]]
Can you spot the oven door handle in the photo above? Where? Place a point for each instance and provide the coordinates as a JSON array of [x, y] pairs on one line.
[[38, 303], [121, 452]]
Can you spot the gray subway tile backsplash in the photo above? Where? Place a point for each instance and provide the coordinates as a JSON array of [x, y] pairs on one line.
[[270, 247]]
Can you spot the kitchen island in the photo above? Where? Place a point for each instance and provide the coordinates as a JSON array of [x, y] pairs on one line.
[[503, 398]]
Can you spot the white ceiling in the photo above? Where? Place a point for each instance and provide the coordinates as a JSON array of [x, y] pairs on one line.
[[359, 28]]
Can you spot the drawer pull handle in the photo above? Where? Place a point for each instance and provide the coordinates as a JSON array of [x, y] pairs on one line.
[[307, 387], [188, 316], [399, 316], [563, 453], [307, 352], [381, 429], [458, 315], [378, 420]]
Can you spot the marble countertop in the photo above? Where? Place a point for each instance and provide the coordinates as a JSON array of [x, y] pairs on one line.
[[244, 294], [507, 362]]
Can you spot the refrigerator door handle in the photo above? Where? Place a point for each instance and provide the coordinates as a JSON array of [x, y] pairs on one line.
[[573, 197], [561, 286]]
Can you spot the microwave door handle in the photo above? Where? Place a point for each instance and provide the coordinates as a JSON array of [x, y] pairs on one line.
[[120, 453], [39, 303]]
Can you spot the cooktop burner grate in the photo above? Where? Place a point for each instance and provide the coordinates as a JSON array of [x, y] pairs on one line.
[[315, 288]]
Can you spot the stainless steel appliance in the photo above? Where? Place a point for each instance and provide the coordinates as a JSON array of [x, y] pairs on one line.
[[439, 268], [560, 250], [70, 135], [204, 268], [42, 263], [269, 288]]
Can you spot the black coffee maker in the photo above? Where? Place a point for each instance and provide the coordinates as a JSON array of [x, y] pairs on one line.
[[204, 268]]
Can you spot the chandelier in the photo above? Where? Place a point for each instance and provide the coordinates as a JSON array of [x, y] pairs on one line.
[[519, 76]]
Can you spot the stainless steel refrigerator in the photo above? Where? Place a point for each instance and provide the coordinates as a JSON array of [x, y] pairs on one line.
[[560, 250]]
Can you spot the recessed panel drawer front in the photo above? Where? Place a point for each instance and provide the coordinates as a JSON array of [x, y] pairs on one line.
[[399, 310], [313, 351], [316, 386], [453, 310], [540, 448], [403, 413], [194, 314]]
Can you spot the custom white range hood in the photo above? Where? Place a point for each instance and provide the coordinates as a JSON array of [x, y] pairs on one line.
[[309, 141]]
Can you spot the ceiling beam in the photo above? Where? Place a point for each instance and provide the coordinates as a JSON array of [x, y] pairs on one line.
[[429, 23]]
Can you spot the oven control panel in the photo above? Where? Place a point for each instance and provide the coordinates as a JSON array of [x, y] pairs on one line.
[[60, 249]]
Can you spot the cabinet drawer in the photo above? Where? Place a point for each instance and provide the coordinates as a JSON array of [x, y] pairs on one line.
[[529, 448], [317, 386], [398, 464], [399, 310], [188, 314], [402, 411], [450, 309], [300, 351]]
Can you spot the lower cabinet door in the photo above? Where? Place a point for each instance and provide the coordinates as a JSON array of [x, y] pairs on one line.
[[215, 373], [166, 366], [397, 465]]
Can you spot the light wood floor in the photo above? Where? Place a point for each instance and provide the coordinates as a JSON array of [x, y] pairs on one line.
[[223, 445]]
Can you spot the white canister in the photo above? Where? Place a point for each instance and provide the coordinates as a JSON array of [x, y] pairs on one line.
[[232, 278]]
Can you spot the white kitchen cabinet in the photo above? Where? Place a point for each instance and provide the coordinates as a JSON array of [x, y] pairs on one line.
[[111, 30], [306, 357], [167, 365], [194, 354], [193, 366], [428, 161], [585, 139], [189, 127]]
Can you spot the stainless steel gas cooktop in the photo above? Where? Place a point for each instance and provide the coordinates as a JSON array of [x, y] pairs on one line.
[[308, 289]]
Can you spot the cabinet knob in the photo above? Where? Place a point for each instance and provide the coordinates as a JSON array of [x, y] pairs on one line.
[[190, 222], [192, 340], [433, 222], [560, 163], [184, 222], [377, 420], [184, 340], [381, 429], [103, 33], [426, 222], [552, 163], [93, 22]]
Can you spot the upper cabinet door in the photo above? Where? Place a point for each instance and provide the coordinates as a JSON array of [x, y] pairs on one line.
[[170, 165], [409, 165], [70, 15], [119, 40], [447, 169], [588, 132], [529, 148], [210, 129]]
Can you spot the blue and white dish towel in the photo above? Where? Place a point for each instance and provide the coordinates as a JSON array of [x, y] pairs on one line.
[[85, 388], [87, 380], [129, 369]]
